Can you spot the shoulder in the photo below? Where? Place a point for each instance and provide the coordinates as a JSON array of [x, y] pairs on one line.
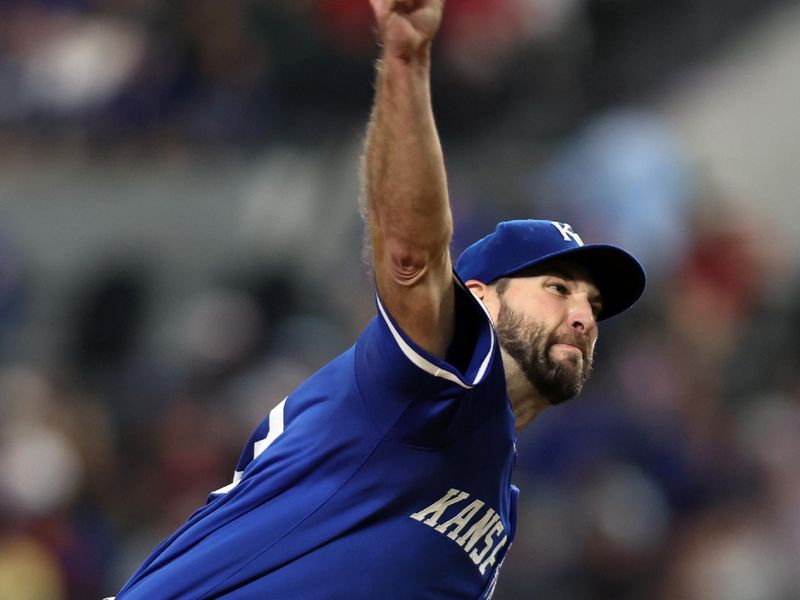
[[386, 347]]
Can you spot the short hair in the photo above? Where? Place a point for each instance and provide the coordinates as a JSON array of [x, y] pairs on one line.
[[501, 285]]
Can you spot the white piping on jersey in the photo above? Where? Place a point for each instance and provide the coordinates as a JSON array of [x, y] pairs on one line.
[[275, 429], [276, 426], [423, 363], [237, 477]]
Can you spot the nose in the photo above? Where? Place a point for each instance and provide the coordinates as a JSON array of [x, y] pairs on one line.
[[581, 315]]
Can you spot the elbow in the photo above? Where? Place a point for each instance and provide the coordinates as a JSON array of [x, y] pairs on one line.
[[410, 265], [407, 270]]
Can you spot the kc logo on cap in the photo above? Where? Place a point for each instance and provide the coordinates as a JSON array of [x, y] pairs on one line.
[[565, 229]]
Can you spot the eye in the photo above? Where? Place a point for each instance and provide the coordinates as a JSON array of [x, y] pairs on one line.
[[557, 287]]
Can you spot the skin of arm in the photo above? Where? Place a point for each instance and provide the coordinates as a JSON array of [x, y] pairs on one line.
[[404, 181]]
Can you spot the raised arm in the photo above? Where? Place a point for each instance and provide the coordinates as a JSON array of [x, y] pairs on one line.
[[405, 187]]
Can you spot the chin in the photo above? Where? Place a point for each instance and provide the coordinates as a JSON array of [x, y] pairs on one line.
[[563, 381], [558, 400]]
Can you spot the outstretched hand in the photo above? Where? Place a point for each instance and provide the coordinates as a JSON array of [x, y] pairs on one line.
[[407, 27]]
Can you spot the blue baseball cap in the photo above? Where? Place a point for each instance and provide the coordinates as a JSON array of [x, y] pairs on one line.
[[517, 245]]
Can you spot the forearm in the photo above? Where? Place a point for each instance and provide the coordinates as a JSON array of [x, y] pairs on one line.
[[405, 182]]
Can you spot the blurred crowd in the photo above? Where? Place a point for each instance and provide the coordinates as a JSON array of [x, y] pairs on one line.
[[206, 72], [674, 475]]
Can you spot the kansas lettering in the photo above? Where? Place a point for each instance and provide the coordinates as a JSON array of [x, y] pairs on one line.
[[477, 528]]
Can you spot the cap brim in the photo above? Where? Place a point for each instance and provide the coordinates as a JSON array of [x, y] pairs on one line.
[[618, 276]]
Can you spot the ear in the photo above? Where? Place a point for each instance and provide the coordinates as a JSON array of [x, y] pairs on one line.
[[478, 288]]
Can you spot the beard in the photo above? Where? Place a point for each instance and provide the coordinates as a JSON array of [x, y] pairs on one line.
[[528, 342]]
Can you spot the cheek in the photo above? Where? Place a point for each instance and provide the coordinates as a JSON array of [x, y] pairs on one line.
[[551, 309], [541, 307]]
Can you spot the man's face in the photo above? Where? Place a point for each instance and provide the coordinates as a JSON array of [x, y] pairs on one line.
[[546, 322]]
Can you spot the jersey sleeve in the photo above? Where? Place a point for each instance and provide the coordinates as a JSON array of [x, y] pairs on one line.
[[392, 370]]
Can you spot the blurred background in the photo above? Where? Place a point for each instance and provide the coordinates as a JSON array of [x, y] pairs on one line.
[[180, 246]]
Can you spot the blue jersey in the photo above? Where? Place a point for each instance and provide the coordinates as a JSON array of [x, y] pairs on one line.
[[386, 474]]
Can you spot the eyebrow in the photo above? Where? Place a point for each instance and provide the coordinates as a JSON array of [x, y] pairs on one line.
[[560, 272]]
